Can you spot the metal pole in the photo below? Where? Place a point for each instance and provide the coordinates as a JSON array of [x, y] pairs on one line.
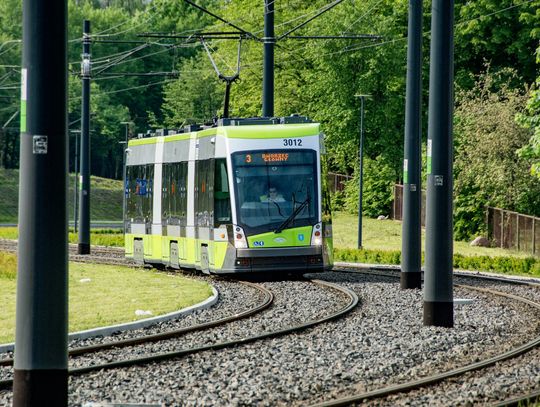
[[124, 173], [438, 290], [76, 191], [361, 171], [268, 67], [411, 249], [84, 199], [40, 369]]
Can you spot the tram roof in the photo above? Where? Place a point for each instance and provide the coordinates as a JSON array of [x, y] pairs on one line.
[[251, 128]]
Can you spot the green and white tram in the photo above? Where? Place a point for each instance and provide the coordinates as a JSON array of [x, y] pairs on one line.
[[245, 195]]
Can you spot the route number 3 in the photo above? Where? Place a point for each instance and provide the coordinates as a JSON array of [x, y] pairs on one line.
[[288, 142]]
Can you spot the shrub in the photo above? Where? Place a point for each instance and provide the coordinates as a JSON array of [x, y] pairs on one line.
[[378, 181], [8, 266], [506, 265]]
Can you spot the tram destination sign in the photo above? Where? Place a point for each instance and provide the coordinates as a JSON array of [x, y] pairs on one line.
[[273, 157]]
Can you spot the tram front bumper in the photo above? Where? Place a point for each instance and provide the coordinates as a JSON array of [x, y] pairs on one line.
[[304, 258]]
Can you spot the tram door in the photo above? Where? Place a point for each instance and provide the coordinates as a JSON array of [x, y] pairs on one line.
[[204, 204]]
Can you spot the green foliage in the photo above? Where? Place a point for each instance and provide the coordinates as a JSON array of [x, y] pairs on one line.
[[503, 39], [530, 119], [367, 256], [106, 130], [317, 78], [506, 265], [338, 200], [8, 266], [99, 237], [197, 95], [105, 197], [377, 196], [487, 170]]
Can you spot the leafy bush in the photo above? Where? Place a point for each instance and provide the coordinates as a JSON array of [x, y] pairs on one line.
[[338, 201], [378, 181], [507, 265], [368, 256], [8, 266], [488, 172]]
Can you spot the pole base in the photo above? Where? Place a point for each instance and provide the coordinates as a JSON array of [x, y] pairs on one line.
[[411, 280], [439, 314], [40, 388], [83, 248]]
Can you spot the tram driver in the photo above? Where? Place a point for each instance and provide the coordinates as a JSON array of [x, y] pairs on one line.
[[272, 195]]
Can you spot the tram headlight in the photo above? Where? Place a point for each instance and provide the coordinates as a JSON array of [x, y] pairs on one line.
[[316, 235], [240, 241]]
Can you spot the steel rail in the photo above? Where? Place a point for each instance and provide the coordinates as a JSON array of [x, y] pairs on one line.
[[351, 304], [532, 399], [83, 350], [417, 384], [353, 301]]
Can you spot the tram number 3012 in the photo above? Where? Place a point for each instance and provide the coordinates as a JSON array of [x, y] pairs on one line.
[[292, 142]]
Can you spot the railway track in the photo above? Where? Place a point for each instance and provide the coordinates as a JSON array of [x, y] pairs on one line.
[[99, 254], [268, 298], [378, 396], [351, 302], [406, 390]]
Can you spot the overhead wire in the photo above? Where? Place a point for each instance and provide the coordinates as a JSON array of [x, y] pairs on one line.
[[396, 40], [291, 60], [101, 33]]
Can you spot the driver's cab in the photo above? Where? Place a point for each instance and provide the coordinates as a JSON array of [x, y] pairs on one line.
[[268, 193]]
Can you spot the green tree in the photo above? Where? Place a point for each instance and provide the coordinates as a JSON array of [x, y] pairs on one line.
[[377, 189], [106, 130], [499, 32], [530, 119], [196, 96], [488, 171]]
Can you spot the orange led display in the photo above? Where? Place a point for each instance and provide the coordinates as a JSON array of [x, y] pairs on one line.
[[273, 157]]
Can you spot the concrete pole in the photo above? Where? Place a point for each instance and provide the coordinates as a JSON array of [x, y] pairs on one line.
[[40, 368]]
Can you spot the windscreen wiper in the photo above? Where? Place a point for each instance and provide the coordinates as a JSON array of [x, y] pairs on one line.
[[293, 216]]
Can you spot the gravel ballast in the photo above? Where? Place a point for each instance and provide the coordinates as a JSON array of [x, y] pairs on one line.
[[381, 342]]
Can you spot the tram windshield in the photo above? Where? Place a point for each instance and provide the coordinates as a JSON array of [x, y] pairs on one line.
[[275, 189]]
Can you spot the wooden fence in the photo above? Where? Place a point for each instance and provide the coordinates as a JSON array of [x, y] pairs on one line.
[[397, 205], [512, 230], [336, 182], [506, 229]]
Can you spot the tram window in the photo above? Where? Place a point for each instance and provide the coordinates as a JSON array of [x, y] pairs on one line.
[[166, 193], [222, 201], [204, 193], [139, 192], [181, 174], [294, 178], [145, 185]]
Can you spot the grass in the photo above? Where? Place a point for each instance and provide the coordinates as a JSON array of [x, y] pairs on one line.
[[112, 295], [105, 197], [386, 235], [376, 235], [100, 237]]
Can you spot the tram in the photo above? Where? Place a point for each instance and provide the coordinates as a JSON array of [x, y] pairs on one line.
[[242, 195]]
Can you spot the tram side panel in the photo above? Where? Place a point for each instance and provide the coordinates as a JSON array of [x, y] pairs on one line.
[[139, 191], [175, 199]]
